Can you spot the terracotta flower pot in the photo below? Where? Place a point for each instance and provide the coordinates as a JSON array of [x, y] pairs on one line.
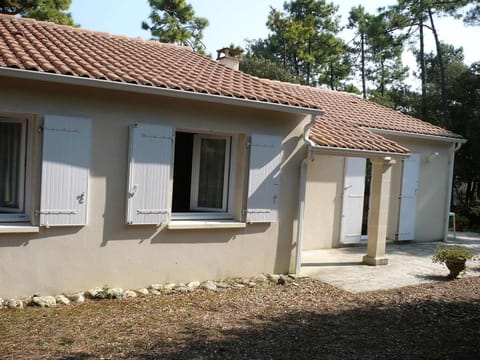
[[456, 266]]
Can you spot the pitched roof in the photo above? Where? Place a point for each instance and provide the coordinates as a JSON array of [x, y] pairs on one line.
[[347, 107], [347, 135], [46, 47]]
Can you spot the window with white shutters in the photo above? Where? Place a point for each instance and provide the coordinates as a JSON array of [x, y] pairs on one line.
[[264, 177], [190, 176], [65, 171]]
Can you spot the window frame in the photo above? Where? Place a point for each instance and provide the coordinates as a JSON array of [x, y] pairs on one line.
[[229, 196], [20, 214], [195, 180]]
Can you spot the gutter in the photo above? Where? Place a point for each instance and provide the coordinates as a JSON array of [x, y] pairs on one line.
[[301, 213], [358, 153], [454, 149], [144, 89], [302, 195], [416, 136]]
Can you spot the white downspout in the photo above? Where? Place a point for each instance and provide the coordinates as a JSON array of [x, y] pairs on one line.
[[301, 195], [455, 148], [301, 212]]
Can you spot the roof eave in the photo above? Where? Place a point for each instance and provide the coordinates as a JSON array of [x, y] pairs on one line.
[[334, 151], [144, 89], [338, 151], [416, 135]]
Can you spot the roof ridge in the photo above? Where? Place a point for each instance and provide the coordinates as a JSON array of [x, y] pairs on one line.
[[95, 32]]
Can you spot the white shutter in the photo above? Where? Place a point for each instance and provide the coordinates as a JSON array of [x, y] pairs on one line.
[[264, 177], [150, 168], [65, 170], [408, 198], [353, 197]]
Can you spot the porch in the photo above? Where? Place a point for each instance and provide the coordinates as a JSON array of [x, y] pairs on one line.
[[408, 264]]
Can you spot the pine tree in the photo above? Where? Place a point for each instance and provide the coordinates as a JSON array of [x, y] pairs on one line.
[[174, 21], [46, 10]]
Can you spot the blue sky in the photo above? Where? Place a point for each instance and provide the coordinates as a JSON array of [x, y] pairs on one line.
[[233, 21]]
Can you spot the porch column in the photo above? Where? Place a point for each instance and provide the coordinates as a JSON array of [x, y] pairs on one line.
[[378, 213]]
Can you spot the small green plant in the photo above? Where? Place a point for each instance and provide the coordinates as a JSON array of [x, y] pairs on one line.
[[454, 257], [451, 252], [104, 293]]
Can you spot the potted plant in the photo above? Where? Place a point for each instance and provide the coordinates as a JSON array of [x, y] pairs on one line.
[[461, 223], [454, 258]]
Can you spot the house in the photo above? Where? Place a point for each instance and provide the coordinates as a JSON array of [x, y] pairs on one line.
[[126, 162], [337, 201]]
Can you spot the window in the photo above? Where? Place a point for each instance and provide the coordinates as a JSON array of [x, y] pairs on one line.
[[186, 175], [201, 175], [13, 135]]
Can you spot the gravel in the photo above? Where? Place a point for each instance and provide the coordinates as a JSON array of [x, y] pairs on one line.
[[301, 319]]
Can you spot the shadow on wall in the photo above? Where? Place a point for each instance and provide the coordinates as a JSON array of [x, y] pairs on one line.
[[205, 236], [114, 227], [17, 240], [288, 202]]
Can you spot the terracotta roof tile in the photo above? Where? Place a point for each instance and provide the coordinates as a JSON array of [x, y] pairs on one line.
[[46, 47], [348, 118], [342, 106], [346, 135]]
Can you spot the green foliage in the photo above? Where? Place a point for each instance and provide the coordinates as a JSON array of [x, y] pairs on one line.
[[304, 41], [350, 88], [472, 16], [464, 112], [358, 19], [384, 55], [174, 21], [46, 10], [379, 52], [266, 68], [404, 100], [451, 252], [453, 68]]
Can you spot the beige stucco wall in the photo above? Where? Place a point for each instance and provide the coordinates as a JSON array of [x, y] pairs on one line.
[[432, 188], [323, 205], [108, 252]]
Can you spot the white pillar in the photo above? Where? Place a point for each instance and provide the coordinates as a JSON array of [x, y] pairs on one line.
[[378, 213]]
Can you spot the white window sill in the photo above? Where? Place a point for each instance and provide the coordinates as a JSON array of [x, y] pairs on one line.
[[205, 224], [10, 228]]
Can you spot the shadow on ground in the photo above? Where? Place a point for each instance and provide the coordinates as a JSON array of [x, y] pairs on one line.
[[433, 330]]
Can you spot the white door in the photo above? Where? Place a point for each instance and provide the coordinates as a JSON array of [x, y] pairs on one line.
[[408, 198], [353, 194]]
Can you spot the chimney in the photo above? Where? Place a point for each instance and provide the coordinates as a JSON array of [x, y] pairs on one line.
[[229, 57]]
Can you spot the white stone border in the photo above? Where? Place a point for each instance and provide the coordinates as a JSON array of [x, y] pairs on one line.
[[104, 293]]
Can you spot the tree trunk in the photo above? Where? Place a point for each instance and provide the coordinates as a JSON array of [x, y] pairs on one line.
[[443, 87], [364, 87], [423, 74], [332, 76], [382, 77], [309, 64]]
